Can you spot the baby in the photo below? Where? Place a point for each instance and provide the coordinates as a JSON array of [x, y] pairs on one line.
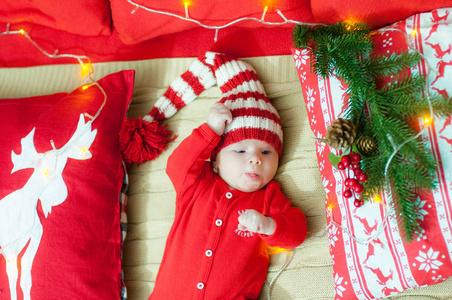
[[228, 209]]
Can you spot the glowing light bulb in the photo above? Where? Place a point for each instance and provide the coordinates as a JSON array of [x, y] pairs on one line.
[[22, 31], [276, 250], [83, 150], [46, 172], [427, 121], [86, 69], [330, 207], [377, 199], [186, 5], [350, 23], [265, 11], [85, 86], [413, 33]]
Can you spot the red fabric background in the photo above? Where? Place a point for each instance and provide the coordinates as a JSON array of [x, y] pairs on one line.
[[161, 36], [17, 51], [82, 17], [79, 253], [144, 25]]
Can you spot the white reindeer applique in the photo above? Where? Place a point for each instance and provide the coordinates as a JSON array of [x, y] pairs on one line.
[[19, 221]]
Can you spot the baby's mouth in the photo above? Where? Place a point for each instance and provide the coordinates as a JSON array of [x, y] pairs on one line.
[[252, 175]]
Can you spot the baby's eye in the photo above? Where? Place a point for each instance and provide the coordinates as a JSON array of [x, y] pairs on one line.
[[240, 151], [265, 152]]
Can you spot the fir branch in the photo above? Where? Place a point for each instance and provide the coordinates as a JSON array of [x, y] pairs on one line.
[[442, 106], [301, 36], [375, 183], [406, 211], [421, 178], [382, 66], [403, 86], [419, 108], [345, 50]]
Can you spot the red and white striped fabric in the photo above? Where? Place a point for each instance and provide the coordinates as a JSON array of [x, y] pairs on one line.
[[387, 265], [254, 117], [183, 90]]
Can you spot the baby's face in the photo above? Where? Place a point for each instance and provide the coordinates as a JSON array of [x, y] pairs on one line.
[[247, 165]]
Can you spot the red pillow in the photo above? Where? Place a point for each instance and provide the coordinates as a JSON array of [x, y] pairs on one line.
[[88, 18], [143, 25], [374, 13], [61, 177], [387, 265]]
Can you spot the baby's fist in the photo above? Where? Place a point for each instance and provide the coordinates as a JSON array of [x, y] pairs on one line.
[[218, 116], [253, 221]]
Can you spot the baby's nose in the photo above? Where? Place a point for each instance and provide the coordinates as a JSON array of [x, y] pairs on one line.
[[255, 159]]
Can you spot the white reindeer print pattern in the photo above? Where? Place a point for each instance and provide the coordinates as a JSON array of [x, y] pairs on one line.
[[19, 221]]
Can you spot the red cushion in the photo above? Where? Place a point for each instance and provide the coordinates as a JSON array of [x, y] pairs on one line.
[[143, 25], [80, 17], [79, 251], [387, 265], [374, 13]]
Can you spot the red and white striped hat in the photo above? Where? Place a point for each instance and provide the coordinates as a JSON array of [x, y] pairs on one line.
[[254, 117]]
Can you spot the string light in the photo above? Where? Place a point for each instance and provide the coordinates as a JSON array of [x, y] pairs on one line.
[[86, 69], [350, 23], [217, 28], [289, 257], [377, 199], [186, 4], [330, 207], [276, 250], [83, 60], [263, 14]]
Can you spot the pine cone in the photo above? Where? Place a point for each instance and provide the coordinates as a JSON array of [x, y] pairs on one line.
[[366, 145], [341, 133]]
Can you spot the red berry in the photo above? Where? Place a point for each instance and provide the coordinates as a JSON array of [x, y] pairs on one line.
[[362, 177], [358, 203], [345, 160], [357, 171], [353, 182], [356, 165], [347, 182], [358, 188], [340, 166], [355, 158], [347, 194]]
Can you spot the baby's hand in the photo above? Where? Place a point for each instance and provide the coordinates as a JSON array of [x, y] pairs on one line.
[[253, 221], [218, 116]]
